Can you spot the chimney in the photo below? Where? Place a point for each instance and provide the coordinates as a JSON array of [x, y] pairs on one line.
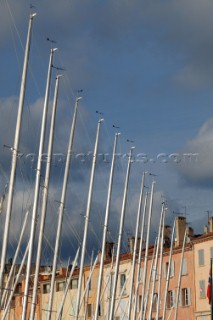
[[180, 224], [108, 250], [206, 229], [167, 236], [131, 241], [210, 224]]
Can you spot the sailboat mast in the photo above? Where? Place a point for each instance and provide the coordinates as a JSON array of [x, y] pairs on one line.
[[87, 217], [44, 200], [160, 266], [37, 186], [168, 272], [180, 275], [111, 315], [14, 259], [147, 250], [105, 227], [135, 247], [15, 151], [62, 205], [139, 256], [68, 285], [15, 283], [149, 280], [154, 271]]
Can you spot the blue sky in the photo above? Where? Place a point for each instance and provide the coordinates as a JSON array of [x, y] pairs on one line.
[[147, 66]]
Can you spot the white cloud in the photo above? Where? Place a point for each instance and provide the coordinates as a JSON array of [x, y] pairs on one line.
[[199, 169]]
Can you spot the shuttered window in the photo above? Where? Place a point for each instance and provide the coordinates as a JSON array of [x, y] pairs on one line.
[[184, 269], [201, 257], [202, 288]]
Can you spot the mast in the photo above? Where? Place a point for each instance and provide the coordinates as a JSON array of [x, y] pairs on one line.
[[15, 283], [110, 283], [15, 151], [135, 247], [87, 291], [44, 200], [111, 315], [105, 227], [149, 279], [139, 256], [168, 272], [14, 259], [37, 186], [156, 262], [160, 265], [147, 250], [87, 217], [180, 274], [62, 205], [67, 285]]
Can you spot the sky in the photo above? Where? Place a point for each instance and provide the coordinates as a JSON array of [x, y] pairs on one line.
[[147, 66]]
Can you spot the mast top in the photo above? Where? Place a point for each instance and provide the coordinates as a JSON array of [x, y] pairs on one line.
[[32, 15]]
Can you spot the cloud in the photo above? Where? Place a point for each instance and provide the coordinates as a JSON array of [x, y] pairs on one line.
[[197, 169]]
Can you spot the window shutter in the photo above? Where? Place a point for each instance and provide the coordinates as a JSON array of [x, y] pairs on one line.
[[173, 298], [189, 296], [141, 274], [201, 257], [164, 270], [172, 273], [184, 269], [180, 298]]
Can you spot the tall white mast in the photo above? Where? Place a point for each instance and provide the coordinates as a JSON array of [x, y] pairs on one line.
[[15, 151], [139, 256], [147, 250], [62, 205], [135, 247], [180, 275], [44, 200], [67, 285], [168, 272], [160, 266], [105, 227], [146, 298], [14, 259], [37, 186], [123, 210], [154, 271], [110, 283], [15, 283], [87, 217]]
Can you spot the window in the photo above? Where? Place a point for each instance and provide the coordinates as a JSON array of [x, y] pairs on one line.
[[141, 274], [155, 301], [201, 257], [89, 310], [60, 286], [172, 269], [185, 297], [184, 268], [100, 310], [170, 299], [73, 307], [123, 283], [46, 288], [74, 283], [202, 287], [18, 288], [211, 252]]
